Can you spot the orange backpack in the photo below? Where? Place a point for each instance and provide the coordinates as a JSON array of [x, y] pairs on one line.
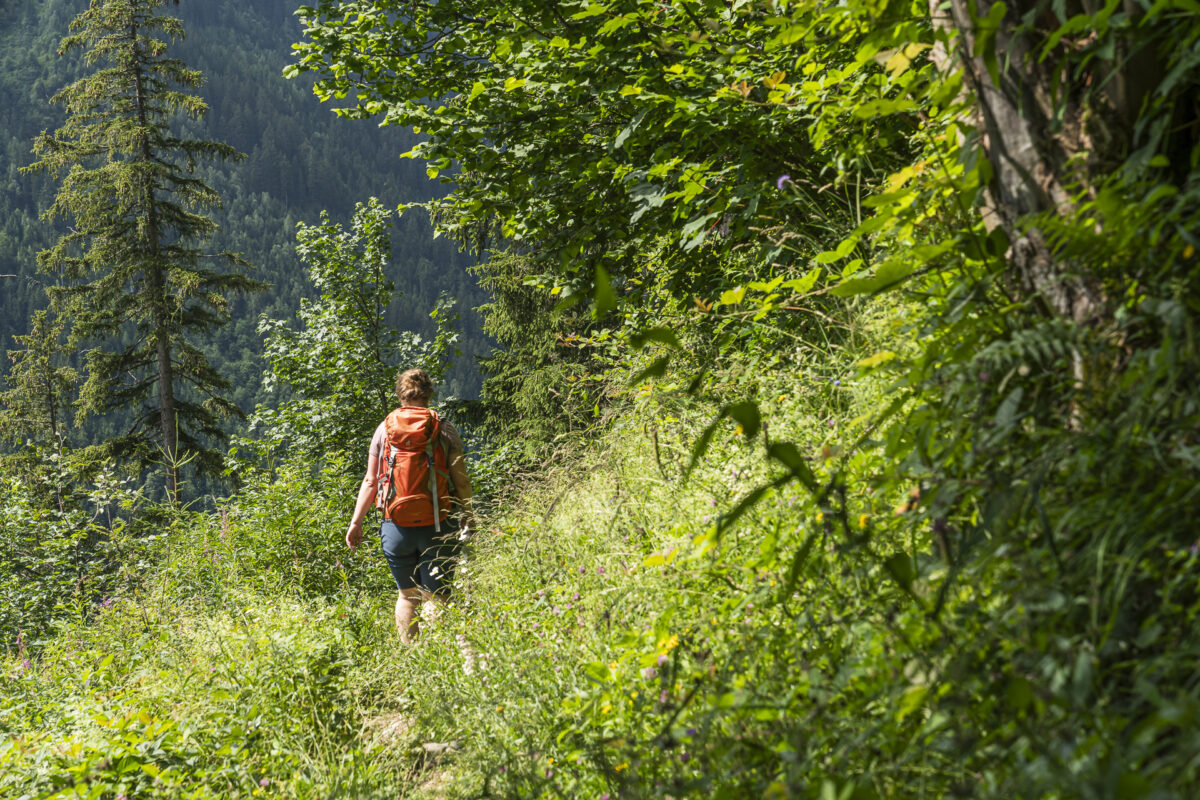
[[415, 468]]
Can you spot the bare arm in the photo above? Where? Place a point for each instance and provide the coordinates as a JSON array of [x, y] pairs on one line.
[[366, 498], [462, 487]]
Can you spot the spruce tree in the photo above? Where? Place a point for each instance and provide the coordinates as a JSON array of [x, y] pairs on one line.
[[133, 283], [34, 406]]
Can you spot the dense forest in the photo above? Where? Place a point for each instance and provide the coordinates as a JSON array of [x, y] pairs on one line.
[[838, 435], [300, 161]]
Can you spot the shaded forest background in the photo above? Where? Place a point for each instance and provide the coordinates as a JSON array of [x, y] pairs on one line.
[[300, 160]]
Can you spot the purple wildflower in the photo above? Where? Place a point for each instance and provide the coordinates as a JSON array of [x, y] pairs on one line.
[[649, 672], [662, 659], [265, 782], [782, 180]]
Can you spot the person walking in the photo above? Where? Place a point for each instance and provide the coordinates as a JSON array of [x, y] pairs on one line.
[[415, 459]]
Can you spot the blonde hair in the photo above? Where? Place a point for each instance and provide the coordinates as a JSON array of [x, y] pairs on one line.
[[414, 384]]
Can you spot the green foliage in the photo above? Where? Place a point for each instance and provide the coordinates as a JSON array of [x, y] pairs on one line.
[[41, 385], [339, 369], [894, 489], [211, 676], [64, 543], [134, 285], [587, 130], [543, 379], [300, 160], [1026, 181]]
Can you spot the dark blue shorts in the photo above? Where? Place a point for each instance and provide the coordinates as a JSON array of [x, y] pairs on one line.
[[419, 556]]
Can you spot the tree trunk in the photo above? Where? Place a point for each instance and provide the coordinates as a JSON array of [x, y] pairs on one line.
[[1034, 131], [156, 279]]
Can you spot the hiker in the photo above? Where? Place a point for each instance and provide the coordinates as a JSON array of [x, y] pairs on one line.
[[421, 527]]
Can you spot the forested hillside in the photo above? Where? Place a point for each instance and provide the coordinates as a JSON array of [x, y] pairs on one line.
[[842, 441], [300, 161]]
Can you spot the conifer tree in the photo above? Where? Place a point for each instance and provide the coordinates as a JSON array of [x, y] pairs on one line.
[[133, 284], [40, 384]]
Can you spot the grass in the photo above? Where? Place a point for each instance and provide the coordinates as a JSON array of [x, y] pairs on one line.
[[256, 656]]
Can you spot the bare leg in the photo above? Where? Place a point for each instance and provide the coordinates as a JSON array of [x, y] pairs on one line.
[[407, 605]]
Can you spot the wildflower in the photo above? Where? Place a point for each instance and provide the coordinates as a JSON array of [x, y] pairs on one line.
[[575, 596], [685, 757], [692, 731], [662, 697], [820, 516], [862, 520], [662, 659], [622, 765], [782, 181], [649, 672], [600, 571], [265, 782]]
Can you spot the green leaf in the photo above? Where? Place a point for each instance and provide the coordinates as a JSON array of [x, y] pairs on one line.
[[882, 357], [746, 414], [805, 283], [606, 298], [887, 276], [789, 456], [664, 336], [798, 561], [732, 297], [841, 251], [597, 671], [911, 700], [900, 567], [657, 368], [748, 502]]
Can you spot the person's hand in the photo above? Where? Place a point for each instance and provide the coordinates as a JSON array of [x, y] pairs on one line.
[[354, 534]]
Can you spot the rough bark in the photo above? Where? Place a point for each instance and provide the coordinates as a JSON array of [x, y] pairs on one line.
[[1036, 124]]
